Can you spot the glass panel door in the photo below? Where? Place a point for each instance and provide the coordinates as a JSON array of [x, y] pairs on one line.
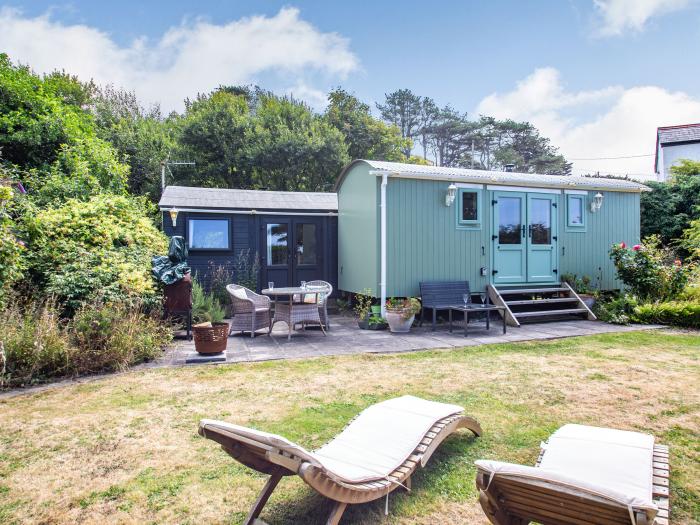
[[509, 258], [541, 251], [276, 253], [307, 250]]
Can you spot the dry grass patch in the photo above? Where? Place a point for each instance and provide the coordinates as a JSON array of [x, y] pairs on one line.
[[125, 449]]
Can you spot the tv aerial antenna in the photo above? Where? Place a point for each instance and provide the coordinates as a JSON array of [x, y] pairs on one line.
[[165, 164]]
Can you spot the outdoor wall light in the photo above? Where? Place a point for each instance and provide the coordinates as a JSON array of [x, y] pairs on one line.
[[173, 216], [451, 194], [597, 202]]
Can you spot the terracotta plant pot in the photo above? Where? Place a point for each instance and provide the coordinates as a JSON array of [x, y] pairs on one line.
[[398, 322], [210, 339]]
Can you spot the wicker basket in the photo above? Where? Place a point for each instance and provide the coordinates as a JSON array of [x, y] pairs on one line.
[[210, 340]]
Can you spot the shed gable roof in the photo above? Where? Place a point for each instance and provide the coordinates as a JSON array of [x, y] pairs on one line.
[[498, 177], [228, 199]]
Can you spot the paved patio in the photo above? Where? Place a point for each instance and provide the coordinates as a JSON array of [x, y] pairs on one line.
[[346, 338]]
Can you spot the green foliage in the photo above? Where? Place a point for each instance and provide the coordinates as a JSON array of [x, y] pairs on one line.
[[114, 336], [691, 239], [11, 248], [100, 248], [675, 313], [141, 136], [246, 268], [670, 207], [363, 304], [649, 271], [205, 307], [407, 307], [366, 137], [36, 344], [579, 284], [616, 309], [220, 276]]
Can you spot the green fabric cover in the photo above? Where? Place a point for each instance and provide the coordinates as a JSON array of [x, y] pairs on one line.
[[172, 268]]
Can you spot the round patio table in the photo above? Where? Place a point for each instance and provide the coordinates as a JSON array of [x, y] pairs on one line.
[[294, 312]]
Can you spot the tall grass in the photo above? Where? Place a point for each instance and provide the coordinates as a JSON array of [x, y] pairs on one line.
[[39, 345]]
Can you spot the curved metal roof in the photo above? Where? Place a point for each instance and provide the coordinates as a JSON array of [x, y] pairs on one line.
[[505, 178]]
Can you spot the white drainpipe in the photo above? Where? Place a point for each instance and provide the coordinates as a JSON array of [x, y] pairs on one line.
[[382, 243]]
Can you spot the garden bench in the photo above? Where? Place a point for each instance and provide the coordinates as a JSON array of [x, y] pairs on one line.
[[442, 295]]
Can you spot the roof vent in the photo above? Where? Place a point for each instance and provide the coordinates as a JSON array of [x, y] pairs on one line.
[[509, 167]]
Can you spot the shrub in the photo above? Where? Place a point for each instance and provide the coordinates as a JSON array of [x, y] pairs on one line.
[[11, 248], [220, 276], [98, 249], [675, 313], [35, 343], [649, 271], [114, 336], [616, 309], [39, 346], [246, 268], [205, 307]]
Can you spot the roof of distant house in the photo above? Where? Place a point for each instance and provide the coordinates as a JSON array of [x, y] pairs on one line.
[[682, 133], [185, 197], [506, 178]]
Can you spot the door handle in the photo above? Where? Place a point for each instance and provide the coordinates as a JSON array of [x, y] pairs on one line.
[[522, 230], [529, 230]]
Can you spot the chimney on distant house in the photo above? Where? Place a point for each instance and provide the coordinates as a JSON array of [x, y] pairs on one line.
[[509, 167]]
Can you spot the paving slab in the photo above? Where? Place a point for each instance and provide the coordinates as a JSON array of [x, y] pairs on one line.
[[346, 338]]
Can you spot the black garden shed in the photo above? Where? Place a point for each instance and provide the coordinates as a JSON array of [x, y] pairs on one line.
[[295, 234]]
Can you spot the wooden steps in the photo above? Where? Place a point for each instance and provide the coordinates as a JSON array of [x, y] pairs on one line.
[[541, 303]]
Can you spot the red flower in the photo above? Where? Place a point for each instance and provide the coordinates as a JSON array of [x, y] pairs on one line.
[[636, 247], [677, 262], [623, 245]]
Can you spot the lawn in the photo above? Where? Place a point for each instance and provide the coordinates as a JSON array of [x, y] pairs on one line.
[[125, 449]]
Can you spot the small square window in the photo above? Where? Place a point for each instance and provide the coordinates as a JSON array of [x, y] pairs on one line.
[[208, 234], [469, 208], [575, 211]]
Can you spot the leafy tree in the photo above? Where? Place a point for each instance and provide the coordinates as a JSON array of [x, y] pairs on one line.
[[670, 207], [402, 108], [427, 116], [292, 148], [366, 137], [142, 137], [243, 138]]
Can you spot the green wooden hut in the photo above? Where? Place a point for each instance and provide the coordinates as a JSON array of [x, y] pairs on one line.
[[514, 234]]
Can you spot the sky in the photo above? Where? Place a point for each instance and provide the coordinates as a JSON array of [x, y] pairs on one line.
[[595, 76]]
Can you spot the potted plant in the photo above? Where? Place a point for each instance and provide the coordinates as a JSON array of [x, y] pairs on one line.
[[400, 313], [375, 319], [210, 331], [363, 306]]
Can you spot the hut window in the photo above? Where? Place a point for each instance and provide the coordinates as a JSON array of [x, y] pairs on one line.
[[277, 239], [208, 234], [575, 212], [305, 243], [469, 208]]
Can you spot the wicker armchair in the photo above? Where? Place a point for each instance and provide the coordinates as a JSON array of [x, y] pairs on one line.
[[249, 314], [322, 299]]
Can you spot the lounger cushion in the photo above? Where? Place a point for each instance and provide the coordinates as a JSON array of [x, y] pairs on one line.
[[615, 459], [589, 485], [375, 444], [382, 437], [613, 463]]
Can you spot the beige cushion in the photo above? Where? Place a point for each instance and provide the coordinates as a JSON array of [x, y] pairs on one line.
[[375, 444], [613, 463], [239, 293]]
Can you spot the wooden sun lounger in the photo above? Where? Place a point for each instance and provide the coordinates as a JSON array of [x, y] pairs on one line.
[[275, 456], [516, 495]]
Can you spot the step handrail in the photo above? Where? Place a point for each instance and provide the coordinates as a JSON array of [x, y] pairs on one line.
[[591, 316], [497, 300]]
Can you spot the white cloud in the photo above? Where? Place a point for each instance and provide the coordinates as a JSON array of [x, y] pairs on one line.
[[610, 122], [193, 57], [621, 15]]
